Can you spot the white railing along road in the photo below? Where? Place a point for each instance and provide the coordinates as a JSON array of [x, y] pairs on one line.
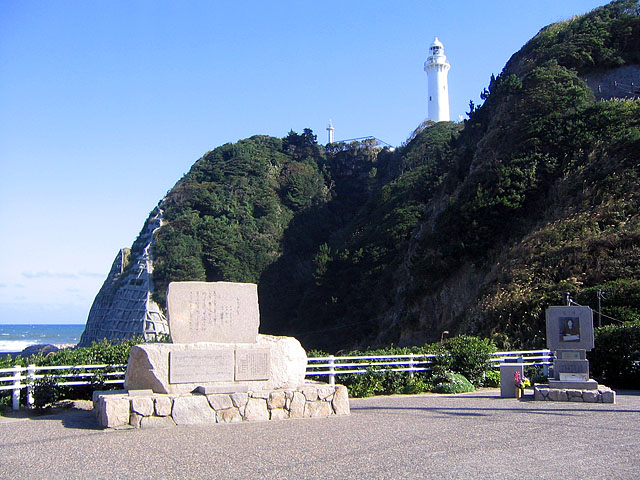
[[18, 377]]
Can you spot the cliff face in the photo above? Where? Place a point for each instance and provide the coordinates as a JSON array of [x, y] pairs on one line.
[[468, 228], [123, 308]]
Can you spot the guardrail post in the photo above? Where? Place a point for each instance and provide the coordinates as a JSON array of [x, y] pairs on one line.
[[31, 378], [545, 368], [15, 393], [411, 365], [332, 370]]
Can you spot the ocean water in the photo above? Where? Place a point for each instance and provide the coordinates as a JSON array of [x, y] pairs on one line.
[[15, 338]]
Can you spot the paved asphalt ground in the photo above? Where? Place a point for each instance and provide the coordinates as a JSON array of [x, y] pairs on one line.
[[477, 435]]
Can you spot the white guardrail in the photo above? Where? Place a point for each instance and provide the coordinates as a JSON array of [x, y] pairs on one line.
[[20, 377], [24, 377], [331, 366]]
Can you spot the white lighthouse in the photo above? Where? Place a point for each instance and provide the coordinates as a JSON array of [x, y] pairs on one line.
[[437, 69], [330, 130]]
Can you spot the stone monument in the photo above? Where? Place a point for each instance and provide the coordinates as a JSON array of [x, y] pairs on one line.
[[219, 368], [570, 337]]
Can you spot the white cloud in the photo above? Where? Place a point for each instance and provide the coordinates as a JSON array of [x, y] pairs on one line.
[[48, 274], [62, 275]]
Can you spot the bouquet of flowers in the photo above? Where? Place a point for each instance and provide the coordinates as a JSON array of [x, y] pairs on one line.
[[521, 381]]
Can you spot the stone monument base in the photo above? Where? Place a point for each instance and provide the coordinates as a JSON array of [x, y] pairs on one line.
[[145, 409], [600, 394], [589, 384]]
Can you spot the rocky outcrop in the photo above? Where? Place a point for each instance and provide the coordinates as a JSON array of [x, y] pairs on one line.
[[123, 308], [622, 82]]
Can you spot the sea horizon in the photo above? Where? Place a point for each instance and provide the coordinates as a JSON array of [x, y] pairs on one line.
[[14, 338]]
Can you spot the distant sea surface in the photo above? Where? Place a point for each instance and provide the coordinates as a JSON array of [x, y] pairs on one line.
[[15, 338]]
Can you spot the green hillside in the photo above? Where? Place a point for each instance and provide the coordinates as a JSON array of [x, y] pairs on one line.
[[472, 227]]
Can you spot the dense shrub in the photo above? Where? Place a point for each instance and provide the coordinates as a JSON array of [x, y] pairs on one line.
[[452, 383], [463, 356], [616, 357], [470, 356], [491, 379], [46, 392]]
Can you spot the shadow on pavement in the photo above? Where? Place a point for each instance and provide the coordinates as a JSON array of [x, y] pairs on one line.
[[484, 411], [76, 418]]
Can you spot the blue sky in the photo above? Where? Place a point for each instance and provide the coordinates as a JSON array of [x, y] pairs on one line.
[[104, 105]]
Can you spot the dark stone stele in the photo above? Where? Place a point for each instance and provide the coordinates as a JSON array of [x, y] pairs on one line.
[[570, 336], [570, 328]]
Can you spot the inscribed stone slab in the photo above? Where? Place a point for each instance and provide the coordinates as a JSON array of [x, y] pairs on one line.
[[220, 312], [569, 328], [201, 366], [571, 366], [252, 364], [574, 377], [571, 354]]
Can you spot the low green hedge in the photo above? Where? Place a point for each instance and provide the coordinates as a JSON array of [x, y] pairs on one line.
[[46, 391], [462, 363], [615, 360]]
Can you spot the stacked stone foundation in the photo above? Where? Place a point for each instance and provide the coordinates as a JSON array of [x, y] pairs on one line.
[[600, 395], [136, 409]]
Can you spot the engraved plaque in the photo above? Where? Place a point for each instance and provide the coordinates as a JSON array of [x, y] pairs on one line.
[[574, 377], [220, 312], [570, 355], [253, 364], [195, 366], [571, 366]]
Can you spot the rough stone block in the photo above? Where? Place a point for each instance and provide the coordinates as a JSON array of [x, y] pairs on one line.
[[310, 392], [220, 401], [114, 411], [192, 410], [538, 394], [318, 409], [590, 396], [134, 419], [239, 401], [157, 422], [340, 402], [608, 396], [296, 409], [163, 406], [229, 415], [325, 391], [97, 403], [279, 414], [142, 406], [277, 399], [256, 410]]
